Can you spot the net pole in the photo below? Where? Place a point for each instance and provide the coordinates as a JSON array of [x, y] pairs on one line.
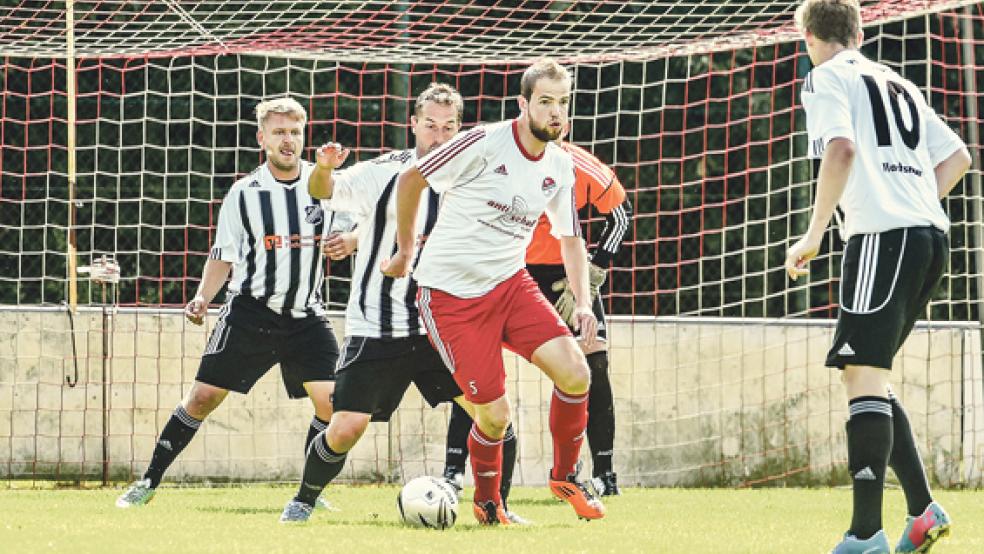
[[73, 287], [974, 178]]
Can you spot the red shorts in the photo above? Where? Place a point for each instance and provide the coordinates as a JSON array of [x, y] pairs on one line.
[[469, 333]]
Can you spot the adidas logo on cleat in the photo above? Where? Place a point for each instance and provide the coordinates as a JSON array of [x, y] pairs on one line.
[[865, 475], [845, 350]]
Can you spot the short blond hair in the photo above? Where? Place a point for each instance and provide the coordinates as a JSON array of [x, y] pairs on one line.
[[830, 20], [544, 68], [284, 105], [443, 94]]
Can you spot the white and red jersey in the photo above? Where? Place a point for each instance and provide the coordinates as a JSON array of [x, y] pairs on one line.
[[493, 193], [899, 141]]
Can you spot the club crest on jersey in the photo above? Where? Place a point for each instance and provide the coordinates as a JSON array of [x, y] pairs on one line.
[[314, 214], [548, 185]]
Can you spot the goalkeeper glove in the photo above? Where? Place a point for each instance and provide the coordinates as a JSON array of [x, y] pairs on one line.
[[565, 304]]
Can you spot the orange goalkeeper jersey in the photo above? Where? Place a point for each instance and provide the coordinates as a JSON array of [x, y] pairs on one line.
[[594, 182]]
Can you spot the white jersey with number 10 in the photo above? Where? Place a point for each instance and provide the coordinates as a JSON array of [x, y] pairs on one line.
[[898, 140]]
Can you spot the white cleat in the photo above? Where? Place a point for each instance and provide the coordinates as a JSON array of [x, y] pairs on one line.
[[139, 493]]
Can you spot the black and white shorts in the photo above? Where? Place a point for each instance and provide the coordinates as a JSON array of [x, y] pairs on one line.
[[250, 338], [546, 275], [886, 282], [373, 374]]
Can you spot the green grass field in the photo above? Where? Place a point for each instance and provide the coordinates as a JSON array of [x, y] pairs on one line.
[[244, 520]]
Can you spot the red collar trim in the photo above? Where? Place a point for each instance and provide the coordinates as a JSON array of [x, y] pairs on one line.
[[530, 157]]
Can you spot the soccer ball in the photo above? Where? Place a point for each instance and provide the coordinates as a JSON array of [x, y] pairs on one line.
[[428, 502]]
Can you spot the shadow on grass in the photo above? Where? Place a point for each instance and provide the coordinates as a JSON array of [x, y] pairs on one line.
[[376, 521]]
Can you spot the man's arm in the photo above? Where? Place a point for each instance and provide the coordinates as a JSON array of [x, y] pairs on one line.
[[329, 156], [616, 225], [575, 258], [835, 168], [409, 186], [949, 171], [213, 277]]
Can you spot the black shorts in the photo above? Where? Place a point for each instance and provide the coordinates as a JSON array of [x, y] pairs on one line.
[[373, 374], [548, 274], [886, 281], [250, 338]]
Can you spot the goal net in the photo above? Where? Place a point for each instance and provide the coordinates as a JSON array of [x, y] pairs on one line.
[[716, 357]]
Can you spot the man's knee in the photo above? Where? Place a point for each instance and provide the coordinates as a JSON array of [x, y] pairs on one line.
[[202, 399], [493, 418], [345, 430], [575, 377]]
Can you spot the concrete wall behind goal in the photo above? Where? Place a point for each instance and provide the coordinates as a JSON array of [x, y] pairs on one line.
[[699, 402]]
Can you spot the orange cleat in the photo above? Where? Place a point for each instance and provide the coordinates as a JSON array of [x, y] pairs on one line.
[[577, 494], [489, 513]]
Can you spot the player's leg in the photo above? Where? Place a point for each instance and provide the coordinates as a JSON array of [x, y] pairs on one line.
[[369, 384], [309, 353], [320, 393], [467, 334], [235, 358], [534, 331], [456, 449], [601, 410], [869, 442], [325, 460], [601, 413], [882, 277], [180, 428], [926, 520], [485, 445]]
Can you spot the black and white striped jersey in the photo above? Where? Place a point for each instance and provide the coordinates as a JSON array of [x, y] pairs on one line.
[[272, 231], [380, 306]]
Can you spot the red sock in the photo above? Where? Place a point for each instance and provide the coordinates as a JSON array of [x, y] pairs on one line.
[[486, 464], [568, 419]]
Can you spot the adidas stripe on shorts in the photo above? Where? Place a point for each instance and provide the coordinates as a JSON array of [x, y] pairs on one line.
[[886, 282]]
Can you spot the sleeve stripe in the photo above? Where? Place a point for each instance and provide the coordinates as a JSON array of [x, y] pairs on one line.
[[614, 240], [449, 151], [593, 167]]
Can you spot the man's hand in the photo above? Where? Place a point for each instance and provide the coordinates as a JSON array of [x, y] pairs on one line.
[[397, 266], [331, 155], [195, 310], [340, 245], [586, 325], [800, 254]]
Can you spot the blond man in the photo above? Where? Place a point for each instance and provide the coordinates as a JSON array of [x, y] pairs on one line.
[[269, 236]]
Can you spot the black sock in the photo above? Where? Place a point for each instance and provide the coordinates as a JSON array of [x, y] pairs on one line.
[[869, 442], [601, 415], [321, 466], [906, 463], [317, 425], [508, 462], [456, 455], [176, 435]]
